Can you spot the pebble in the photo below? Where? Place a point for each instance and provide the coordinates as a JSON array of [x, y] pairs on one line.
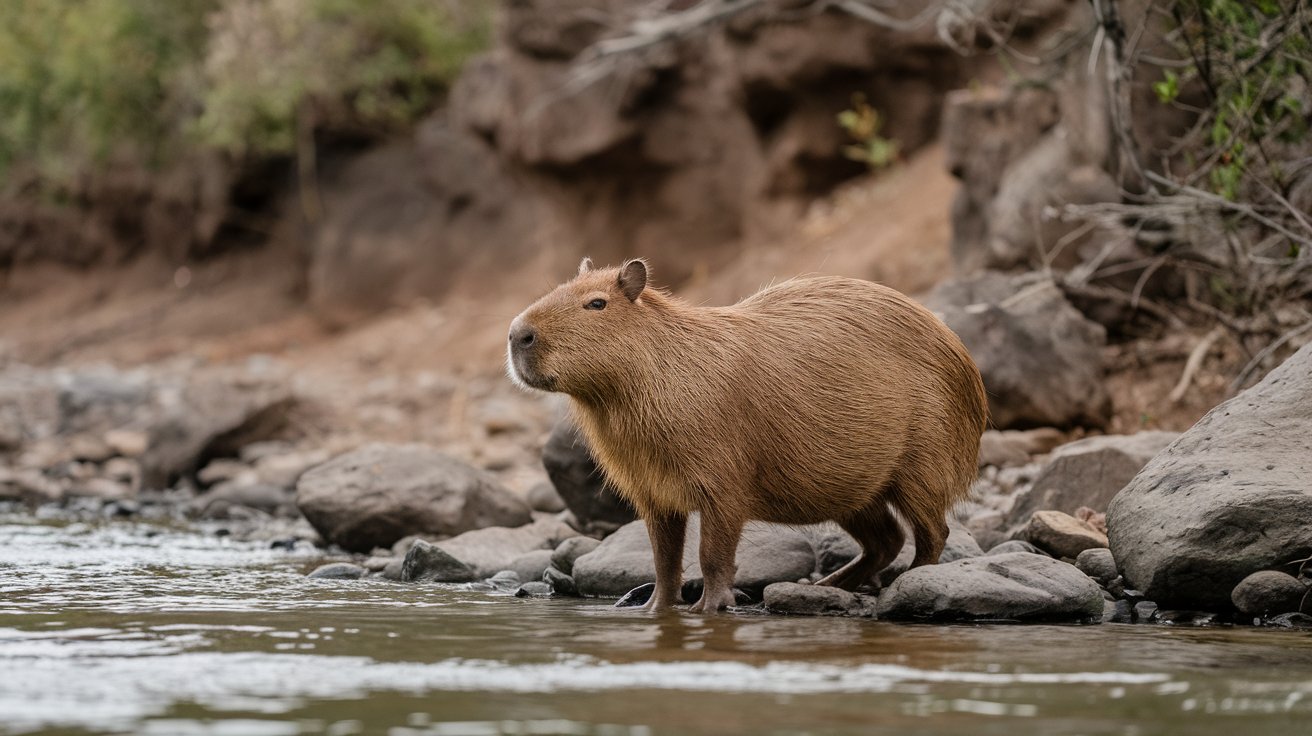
[[338, 571]]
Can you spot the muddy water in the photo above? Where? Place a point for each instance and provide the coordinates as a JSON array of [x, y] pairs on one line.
[[123, 628]]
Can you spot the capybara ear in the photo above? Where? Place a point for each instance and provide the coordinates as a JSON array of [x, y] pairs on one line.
[[633, 278], [585, 265]]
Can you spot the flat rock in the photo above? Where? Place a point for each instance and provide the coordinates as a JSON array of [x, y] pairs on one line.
[[767, 553], [1230, 497], [1087, 473], [1017, 586], [810, 600], [490, 550], [379, 493], [338, 571], [1063, 535]]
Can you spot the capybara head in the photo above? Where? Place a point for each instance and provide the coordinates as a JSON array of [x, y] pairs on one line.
[[581, 338]]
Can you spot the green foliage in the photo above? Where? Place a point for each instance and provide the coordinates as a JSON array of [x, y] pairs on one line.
[[86, 79], [1254, 61], [862, 123]]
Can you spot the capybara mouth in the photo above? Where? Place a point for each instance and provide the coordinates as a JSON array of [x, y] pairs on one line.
[[528, 375]]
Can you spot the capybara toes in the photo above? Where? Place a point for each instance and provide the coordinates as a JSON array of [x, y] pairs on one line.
[[816, 399]]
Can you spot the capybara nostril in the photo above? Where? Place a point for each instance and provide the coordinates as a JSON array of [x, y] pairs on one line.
[[523, 337]]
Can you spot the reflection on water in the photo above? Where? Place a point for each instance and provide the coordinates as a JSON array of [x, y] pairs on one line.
[[130, 629]]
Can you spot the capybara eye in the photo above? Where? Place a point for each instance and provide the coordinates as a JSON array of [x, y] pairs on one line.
[[595, 304]]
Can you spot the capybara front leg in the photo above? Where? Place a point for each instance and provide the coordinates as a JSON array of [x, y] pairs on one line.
[[666, 531], [718, 549]]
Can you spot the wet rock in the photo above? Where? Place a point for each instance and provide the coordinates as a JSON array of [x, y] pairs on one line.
[[1145, 611], [532, 565], [533, 589], [505, 580], [810, 600], [1016, 545], [1088, 473], [338, 571], [1228, 498], [1267, 592], [375, 495], [543, 497], [1017, 586], [1098, 564], [570, 550], [1121, 613], [1063, 535], [1290, 621], [636, 597], [498, 548], [426, 562], [394, 569], [578, 480], [1186, 618], [1041, 360], [561, 584], [767, 553]]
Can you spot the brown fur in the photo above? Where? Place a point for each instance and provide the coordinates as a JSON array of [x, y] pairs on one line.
[[816, 399]]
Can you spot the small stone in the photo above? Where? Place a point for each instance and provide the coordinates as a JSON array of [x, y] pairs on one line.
[[426, 562], [636, 597], [127, 442], [1145, 611], [543, 497], [377, 563], [534, 589], [570, 550], [1267, 593], [1097, 564], [1062, 534], [561, 584], [809, 600], [338, 571]]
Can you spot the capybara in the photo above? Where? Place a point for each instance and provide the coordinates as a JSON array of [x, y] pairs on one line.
[[816, 399]]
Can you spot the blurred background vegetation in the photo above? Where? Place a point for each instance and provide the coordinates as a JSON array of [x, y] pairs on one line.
[[87, 81]]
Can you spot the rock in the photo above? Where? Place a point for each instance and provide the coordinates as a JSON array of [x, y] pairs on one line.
[[89, 448], [809, 600], [833, 547], [1041, 360], [284, 469], [1014, 448], [1122, 613], [1267, 593], [426, 562], [1087, 472], [101, 488], [1016, 586], [532, 565], [1290, 621], [960, 544], [1016, 545], [1228, 498], [1098, 564], [767, 553], [505, 580], [29, 486], [379, 493], [499, 548], [636, 597], [1145, 611], [255, 495], [533, 589], [561, 584], [127, 442], [1062, 534], [570, 550], [543, 497], [394, 568], [377, 563], [338, 571], [579, 481]]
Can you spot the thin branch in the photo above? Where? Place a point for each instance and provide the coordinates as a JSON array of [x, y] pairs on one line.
[[1194, 361]]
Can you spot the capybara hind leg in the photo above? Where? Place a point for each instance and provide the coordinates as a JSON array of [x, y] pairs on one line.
[[877, 531], [666, 531], [925, 510], [930, 539], [719, 547]]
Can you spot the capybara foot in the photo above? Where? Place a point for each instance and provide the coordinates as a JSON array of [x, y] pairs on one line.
[[713, 600]]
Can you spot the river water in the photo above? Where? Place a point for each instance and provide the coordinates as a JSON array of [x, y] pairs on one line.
[[131, 628]]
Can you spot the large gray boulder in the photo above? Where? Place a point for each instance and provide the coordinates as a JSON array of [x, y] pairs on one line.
[[373, 496], [580, 483], [1018, 586], [1088, 472], [1040, 358], [1230, 497], [767, 553]]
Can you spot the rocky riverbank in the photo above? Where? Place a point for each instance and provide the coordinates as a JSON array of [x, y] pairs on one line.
[[1207, 526]]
